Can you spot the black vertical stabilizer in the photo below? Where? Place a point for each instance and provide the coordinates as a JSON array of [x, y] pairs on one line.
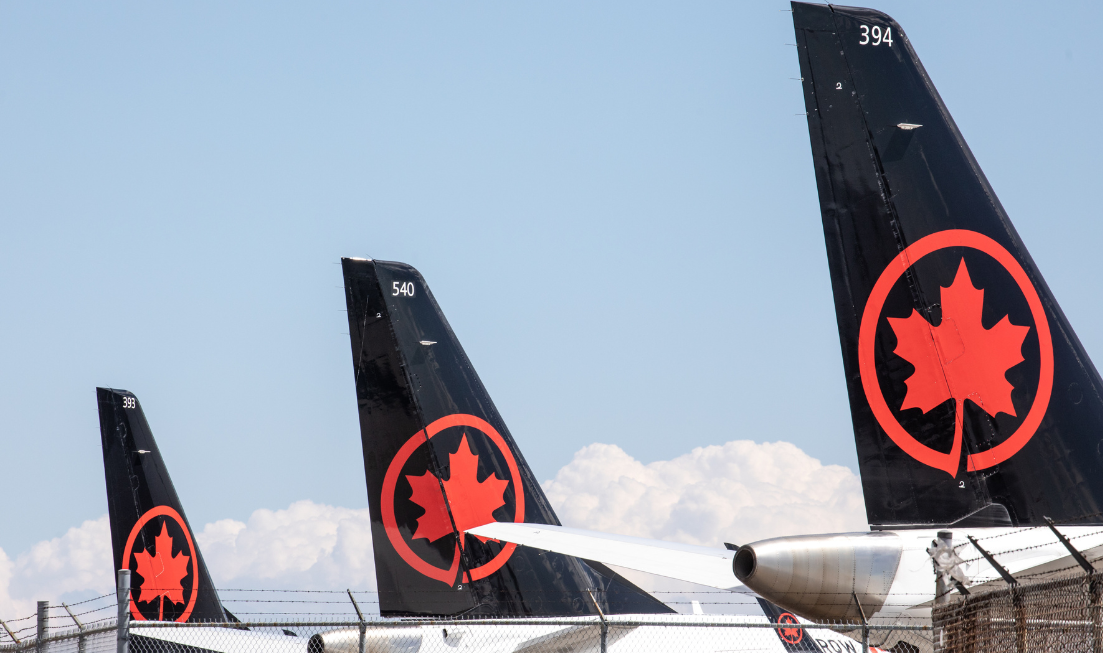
[[439, 459], [150, 534], [795, 640], [973, 401]]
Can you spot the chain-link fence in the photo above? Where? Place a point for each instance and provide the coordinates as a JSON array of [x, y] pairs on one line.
[[333, 622], [1062, 614], [89, 626], [1053, 603], [579, 634]]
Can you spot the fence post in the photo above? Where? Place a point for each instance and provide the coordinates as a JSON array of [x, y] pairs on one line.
[[865, 624], [10, 633], [363, 625], [943, 583], [80, 628], [604, 624], [1019, 609], [43, 626], [122, 593], [1096, 595], [941, 588]]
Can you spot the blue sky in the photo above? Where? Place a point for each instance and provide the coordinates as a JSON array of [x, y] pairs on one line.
[[613, 203]]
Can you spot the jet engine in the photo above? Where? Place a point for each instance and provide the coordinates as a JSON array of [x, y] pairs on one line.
[[376, 640], [820, 576]]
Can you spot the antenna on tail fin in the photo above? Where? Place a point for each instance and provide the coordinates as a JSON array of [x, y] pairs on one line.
[[150, 534], [973, 401], [439, 460]]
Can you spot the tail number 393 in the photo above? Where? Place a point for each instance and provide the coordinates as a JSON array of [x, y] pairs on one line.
[[404, 288]]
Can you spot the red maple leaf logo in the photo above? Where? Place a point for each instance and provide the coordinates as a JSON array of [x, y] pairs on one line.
[[161, 573], [473, 502], [790, 635], [959, 359]]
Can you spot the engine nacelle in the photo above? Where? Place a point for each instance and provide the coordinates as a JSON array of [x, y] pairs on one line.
[[818, 576], [394, 639]]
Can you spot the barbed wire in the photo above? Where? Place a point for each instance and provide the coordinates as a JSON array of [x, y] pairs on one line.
[[110, 595], [1021, 549]]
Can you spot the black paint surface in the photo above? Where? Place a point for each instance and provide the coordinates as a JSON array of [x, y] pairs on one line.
[[137, 483], [410, 371], [883, 188]]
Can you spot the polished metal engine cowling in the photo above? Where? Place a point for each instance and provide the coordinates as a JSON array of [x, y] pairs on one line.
[[379, 640], [818, 576]]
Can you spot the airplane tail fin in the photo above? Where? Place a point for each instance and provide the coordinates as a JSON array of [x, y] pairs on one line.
[[794, 640], [439, 460], [150, 534], [973, 401]]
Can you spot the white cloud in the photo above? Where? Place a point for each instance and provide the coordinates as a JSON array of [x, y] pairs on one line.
[[305, 546], [70, 568], [737, 492], [8, 606]]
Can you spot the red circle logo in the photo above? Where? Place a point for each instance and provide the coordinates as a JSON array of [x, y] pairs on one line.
[[789, 635], [461, 502], [950, 462], [162, 572]]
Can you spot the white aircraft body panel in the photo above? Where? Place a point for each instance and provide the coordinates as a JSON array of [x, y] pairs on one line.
[[224, 640], [678, 632], [697, 564]]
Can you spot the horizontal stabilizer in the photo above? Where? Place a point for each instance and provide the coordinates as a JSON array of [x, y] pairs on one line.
[[695, 564]]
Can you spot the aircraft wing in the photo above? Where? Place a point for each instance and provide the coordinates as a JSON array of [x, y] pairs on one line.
[[696, 564]]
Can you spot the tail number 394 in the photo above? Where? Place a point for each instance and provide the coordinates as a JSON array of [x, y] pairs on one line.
[[875, 35], [404, 288]]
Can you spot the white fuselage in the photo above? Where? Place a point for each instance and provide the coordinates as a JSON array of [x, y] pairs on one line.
[[628, 633]]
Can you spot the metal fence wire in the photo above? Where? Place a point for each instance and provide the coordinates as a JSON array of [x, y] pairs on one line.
[[581, 635], [315, 622], [1057, 614]]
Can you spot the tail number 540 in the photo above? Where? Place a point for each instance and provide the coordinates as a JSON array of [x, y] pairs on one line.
[[404, 288]]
